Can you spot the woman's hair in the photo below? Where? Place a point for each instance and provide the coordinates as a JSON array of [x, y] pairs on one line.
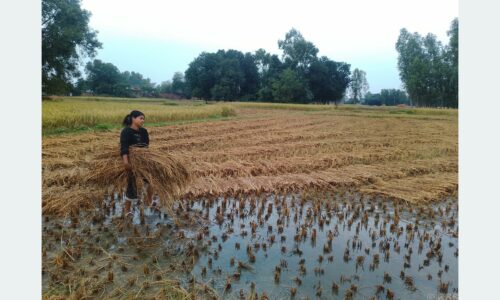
[[128, 118]]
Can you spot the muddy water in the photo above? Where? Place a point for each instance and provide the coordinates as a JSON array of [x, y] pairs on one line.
[[261, 245], [315, 267]]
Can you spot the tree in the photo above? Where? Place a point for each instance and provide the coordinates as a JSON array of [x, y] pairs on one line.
[[229, 79], [66, 39], [261, 59], [165, 87], [201, 75], [290, 88], [250, 85], [410, 64], [358, 85], [104, 78], [439, 70], [429, 70], [328, 80], [298, 53], [230, 75], [224, 75], [392, 97], [372, 99], [80, 87], [299, 77], [269, 68], [451, 58], [178, 83], [136, 84]]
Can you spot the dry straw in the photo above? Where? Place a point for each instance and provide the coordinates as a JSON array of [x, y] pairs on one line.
[[400, 158], [166, 175], [104, 173]]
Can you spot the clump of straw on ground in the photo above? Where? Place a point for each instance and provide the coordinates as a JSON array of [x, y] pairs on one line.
[[166, 175], [65, 200]]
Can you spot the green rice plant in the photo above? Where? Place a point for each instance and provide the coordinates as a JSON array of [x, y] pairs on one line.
[[77, 114]]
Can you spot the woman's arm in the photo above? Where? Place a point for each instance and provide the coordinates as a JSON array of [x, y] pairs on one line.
[[124, 147], [124, 142], [146, 136], [126, 162]]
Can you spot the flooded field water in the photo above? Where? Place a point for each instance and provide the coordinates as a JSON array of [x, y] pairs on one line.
[[258, 247]]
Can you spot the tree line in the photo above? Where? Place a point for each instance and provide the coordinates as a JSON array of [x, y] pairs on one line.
[[105, 79], [299, 76], [388, 97], [428, 70]]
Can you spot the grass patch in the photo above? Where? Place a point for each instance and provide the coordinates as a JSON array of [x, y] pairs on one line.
[[103, 126]]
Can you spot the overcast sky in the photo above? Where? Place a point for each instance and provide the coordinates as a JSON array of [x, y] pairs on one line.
[[158, 38]]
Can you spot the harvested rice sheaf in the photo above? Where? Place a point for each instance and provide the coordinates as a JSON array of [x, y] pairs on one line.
[[167, 175]]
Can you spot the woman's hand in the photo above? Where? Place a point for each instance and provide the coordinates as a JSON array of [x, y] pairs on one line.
[[126, 163]]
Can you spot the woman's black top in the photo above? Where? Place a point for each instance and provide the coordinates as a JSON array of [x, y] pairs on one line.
[[131, 137]]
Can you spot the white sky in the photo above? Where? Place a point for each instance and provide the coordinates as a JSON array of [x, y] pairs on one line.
[[360, 32]]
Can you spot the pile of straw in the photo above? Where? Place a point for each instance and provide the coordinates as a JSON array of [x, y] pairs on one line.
[[66, 200], [167, 176]]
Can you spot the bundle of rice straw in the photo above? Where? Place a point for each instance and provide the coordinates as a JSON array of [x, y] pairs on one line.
[[166, 175], [66, 200]]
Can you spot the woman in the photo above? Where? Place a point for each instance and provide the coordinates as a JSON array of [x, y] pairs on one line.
[[134, 134]]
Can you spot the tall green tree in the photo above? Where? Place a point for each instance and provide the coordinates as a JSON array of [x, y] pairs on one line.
[[105, 79], [250, 85], [201, 75], [261, 58], [358, 86], [178, 83], [428, 69], [229, 79], [298, 53], [328, 80], [413, 66], [224, 75], [451, 53], [437, 70], [269, 68], [165, 87], [392, 97], [66, 40], [289, 87]]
